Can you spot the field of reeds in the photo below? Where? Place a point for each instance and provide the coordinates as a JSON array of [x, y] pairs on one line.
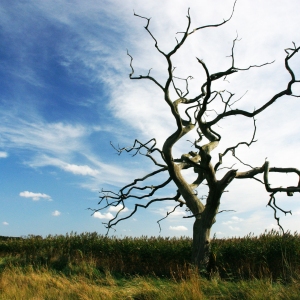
[[91, 266]]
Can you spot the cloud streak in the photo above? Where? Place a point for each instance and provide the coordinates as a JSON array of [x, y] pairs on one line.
[[57, 138], [80, 170], [61, 145], [178, 228], [35, 196]]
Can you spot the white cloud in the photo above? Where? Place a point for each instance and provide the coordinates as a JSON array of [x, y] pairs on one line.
[[117, 208], [79, 170], [55, 138], [35, 196], [178, 228], [234, 228], [45, 160], [3, 154], [101, 172], [236, 219], [227, 222], [233, 220], [99, 215], [179, 212], [56, 213], [5, 223]]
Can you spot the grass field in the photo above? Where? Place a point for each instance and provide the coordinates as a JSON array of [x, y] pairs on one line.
[[16, 283], [89, 266]]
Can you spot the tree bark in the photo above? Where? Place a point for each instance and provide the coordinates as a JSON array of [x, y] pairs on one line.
[[201, 245], [202, 226]]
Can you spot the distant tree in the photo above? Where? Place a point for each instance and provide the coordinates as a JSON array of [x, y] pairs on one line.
[[197, 116]]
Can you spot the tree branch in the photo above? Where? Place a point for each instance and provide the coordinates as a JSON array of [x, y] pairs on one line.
[[287, 91], [138, 146], [168, 213], [272, 204], [141, 76], [215, 25], [232, 149]]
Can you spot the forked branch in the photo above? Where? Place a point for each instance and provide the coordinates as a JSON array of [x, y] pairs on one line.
[[288, 92], [233, 149]]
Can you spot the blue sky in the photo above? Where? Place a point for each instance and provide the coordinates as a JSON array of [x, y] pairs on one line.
[[65, 94]]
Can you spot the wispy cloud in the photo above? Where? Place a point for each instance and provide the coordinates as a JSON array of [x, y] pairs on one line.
[[55, 138], [35, 196], [79, 170], [97, 174], [5, 223], [232, 223], [45, 160], [233, 220], [62, 145], [234, 228]]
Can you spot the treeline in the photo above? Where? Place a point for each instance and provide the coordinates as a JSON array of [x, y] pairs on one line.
[[268, 255], [4, 238]]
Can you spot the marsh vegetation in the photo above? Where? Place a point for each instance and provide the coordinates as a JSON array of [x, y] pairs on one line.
[[91, 266]]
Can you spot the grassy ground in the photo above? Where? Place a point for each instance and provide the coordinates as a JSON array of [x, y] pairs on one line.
[[27, 283], [75, 267], [270, 255]]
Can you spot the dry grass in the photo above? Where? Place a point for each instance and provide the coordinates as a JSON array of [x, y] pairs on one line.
[[38, 285], [27, 283], [74, 267]]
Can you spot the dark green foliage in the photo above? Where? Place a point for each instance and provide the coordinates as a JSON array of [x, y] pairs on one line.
[[270, 254]]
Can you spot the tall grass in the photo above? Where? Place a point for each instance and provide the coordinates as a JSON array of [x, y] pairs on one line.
[[270, 255], [27, 283], [91, 266], [127, 255]]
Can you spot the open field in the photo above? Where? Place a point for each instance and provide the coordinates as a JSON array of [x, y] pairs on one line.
[[89, 266]]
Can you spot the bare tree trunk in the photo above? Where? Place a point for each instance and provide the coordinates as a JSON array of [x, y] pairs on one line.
[[201, 230], [201, 245]]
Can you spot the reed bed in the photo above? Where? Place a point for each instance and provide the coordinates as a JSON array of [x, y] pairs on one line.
[[270, 255], [91, 266]]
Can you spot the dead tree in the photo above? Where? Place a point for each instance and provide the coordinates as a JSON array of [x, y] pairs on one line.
[[203, 210]]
